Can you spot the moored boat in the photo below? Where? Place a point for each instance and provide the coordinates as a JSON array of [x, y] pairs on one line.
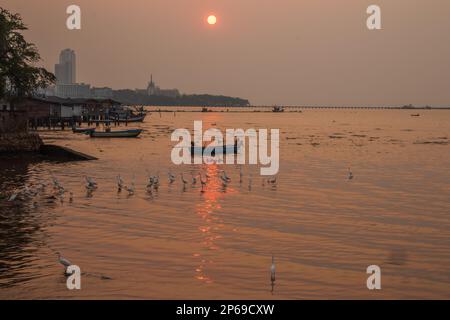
[[277, 109], [83, 130], [213, 150], [133, 133]]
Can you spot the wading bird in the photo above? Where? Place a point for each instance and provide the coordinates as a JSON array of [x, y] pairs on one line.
[[203, 182], [183, 180], [156, 182], [224, 181], [130, 189], [63, 261], [272, 181], [272, 270], [350, 174], [120, 183], [13, 196], [224, 174], [90, 183], [172, 178]]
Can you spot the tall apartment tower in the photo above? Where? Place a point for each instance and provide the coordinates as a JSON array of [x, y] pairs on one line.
[[65, 70]]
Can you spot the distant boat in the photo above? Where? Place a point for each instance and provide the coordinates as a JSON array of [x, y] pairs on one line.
[[83, 130], [123, 118], [415, 115], [278, 109], [139, 118], [133, 133], [231, 149]]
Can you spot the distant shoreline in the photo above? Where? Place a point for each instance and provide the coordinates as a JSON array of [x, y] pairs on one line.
[[297, 108]]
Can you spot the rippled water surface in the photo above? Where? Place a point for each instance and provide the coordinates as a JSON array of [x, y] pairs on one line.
[[323, 229]]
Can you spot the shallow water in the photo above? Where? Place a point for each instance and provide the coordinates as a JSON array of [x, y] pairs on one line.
[[323, 229]]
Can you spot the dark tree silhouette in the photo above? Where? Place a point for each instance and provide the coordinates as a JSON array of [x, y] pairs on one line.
[[19, 77]]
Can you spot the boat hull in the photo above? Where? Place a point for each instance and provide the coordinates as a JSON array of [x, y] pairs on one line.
[[117, 134], [83, 130], [212, 151]]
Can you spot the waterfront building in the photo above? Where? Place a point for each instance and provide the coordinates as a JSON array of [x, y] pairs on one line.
[[101, 93], [76, 90]]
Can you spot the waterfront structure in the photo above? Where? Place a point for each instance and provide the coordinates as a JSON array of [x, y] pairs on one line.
[[101, 93], [76, 90]]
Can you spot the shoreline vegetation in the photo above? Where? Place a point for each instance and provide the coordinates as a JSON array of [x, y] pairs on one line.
[[130, 97]]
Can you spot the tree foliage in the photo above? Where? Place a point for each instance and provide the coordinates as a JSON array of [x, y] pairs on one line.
[[19, 77]]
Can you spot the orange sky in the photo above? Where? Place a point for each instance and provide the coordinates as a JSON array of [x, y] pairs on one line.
[[308, 52]]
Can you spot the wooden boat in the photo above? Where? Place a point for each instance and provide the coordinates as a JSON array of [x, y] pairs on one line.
[[83, 130], [129, 117], [213, 150], [133, 133], [139, 118], [277, 109]]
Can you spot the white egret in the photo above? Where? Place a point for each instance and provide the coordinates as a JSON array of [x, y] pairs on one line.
[[224, 174], [156, 182], [130, 189], [13, 196], [172, 178], [183, 179], [272, 270], [350, 174], [120, 183], [63, 261], [90, 183]]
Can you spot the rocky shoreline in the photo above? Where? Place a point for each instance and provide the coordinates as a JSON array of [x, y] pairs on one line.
[[20, 142], [30, 144]]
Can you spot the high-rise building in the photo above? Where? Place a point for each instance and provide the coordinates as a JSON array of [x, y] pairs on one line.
[[65, 70]]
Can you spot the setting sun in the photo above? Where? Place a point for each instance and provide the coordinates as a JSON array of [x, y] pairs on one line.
[[212, 20]]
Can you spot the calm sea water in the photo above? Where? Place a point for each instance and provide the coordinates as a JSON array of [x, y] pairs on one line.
[[323, 229]]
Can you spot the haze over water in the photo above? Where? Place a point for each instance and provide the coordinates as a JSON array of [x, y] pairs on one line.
[[323, 229]]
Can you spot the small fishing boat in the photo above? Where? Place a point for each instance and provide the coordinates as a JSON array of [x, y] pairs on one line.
[[277, 109], [83, 130], [133, 133], [213, 150], [415, 115], [128, 116], [139, 118]]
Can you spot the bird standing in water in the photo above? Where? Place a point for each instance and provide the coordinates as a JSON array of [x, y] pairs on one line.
[[90, 183], [350, 174], [272, 270], [172, 178], [183, 181], [120, 183], [63, 261]]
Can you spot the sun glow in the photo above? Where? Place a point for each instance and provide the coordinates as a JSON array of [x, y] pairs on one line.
[[212, 20]]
